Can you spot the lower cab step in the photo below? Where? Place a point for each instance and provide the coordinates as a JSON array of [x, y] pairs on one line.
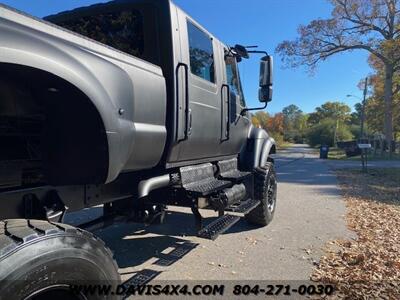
[[244, 207], [218, 226]]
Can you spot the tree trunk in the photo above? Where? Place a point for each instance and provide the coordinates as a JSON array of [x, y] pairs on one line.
[[388, 97]]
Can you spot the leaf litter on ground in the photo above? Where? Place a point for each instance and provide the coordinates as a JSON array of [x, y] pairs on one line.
[[367, 267]]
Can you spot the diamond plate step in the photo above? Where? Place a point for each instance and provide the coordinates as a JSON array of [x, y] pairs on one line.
[[200, 180], [229, 170], [206, 187], [220, 225], [244, 207], [235, 175]]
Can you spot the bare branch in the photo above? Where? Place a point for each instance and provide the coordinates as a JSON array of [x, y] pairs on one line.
[[355, 25], [357, 19]]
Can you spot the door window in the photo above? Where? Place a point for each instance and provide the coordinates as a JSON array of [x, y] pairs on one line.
[[233, 80], [201, 53]]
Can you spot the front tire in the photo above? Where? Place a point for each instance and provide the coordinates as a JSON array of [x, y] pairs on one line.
[[265, 190], [42, 260]]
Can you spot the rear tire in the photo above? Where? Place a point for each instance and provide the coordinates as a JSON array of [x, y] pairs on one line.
[[41, 260], [265, 190]]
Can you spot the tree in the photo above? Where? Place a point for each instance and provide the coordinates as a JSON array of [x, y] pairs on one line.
[[325, 132], [293, 124], [372, 26], [275, 124], [337, 111], [255, 121], [302, 122], [375, 104], [260, 119], [291, 115], [331, 122], [356, 115]]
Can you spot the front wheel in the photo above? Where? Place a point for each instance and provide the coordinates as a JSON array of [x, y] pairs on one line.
[[265, 190], [42, 260]]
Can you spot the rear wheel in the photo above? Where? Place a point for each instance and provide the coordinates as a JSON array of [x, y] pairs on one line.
[[42, 260], [265, 190]]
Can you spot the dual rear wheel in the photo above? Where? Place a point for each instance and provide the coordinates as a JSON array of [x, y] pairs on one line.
[[41, 260]]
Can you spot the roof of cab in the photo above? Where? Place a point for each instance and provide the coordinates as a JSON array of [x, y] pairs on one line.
[[98, 7]]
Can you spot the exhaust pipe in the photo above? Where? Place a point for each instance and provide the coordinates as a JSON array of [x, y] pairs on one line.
[[148, 185]]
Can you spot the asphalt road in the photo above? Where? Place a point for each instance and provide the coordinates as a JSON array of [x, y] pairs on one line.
[[309, 212]]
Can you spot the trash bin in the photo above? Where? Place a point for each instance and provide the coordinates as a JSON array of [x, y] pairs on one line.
[[323, 151]]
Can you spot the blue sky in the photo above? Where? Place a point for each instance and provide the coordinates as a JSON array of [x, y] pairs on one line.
[[265, 23]]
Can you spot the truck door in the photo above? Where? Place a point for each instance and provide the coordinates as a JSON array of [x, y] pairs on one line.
[[199, 107], [238, 124]]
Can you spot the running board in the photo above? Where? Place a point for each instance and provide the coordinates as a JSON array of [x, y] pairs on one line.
[[229, 171], [199, 180], [218, 226], [244, 207]]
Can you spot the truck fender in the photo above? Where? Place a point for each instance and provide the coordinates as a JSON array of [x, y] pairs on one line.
[[269, 147], [258, 148], [101, 78]]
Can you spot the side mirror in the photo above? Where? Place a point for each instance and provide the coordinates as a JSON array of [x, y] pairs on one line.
[[266, 82], [241, 51]]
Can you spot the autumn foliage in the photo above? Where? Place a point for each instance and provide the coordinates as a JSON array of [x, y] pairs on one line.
[[372, 26]]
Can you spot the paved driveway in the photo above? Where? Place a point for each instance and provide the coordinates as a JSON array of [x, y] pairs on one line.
[[309, 212]]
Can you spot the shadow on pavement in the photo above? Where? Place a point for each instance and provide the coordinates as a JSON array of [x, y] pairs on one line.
[[134, 244]]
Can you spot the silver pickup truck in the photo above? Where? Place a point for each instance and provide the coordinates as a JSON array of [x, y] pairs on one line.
[[129, 104]]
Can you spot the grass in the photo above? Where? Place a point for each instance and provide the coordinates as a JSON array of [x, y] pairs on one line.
[[391, 174], [384, 156], [366, 267], [340, 154], [283, 145], [336, 153]]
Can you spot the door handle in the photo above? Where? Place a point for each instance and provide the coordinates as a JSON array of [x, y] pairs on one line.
[[183, 102], [225, 109], [190, 122]]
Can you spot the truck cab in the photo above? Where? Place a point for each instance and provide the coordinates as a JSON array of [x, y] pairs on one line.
[[213, 125], [205, 100]]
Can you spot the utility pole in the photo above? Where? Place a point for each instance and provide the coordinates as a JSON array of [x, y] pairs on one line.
[[363, 108], [335, 140], [364, 156], [362, 117]]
